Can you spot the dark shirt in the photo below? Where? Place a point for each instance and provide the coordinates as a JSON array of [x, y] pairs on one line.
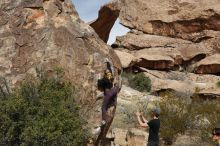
[[154, 126]]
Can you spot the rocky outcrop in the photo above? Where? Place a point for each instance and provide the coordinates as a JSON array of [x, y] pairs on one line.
[[126, 59], [137, 137], [210, 94], [189, 30], [48, 34], [185, 84], [189, 20], [170, 18], [108, 14], [209, 65], [159, 52]]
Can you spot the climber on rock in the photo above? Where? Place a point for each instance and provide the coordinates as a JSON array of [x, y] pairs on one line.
[[108, 74], [110, 92]]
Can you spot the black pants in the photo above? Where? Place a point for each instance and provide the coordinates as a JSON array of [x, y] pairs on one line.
[[152, 143]]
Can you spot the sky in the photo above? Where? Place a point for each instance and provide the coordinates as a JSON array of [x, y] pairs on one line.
[[88, 11]]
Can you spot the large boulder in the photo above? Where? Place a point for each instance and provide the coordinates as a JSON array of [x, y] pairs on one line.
[[126, 58], [209, 65], [160, 52], [48, 34], [170, 18]]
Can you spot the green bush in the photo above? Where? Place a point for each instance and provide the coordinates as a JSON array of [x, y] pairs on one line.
[[205, 116], [179, 115], [138, 81], [41, 112], [173, 116]]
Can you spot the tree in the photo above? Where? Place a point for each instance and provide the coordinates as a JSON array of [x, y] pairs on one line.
[[41, 112]]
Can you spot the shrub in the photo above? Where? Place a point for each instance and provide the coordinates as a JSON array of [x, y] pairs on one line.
[[204, 116], [138, 81], [173, 116], [41, 112], [179, 115]]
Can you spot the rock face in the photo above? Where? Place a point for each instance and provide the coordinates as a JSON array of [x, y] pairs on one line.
[[169, 35], [209, 65], [170, 18], [161, 53], [184, 83], [48, 34], [126, 58], [177, 33], [108, 14]]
